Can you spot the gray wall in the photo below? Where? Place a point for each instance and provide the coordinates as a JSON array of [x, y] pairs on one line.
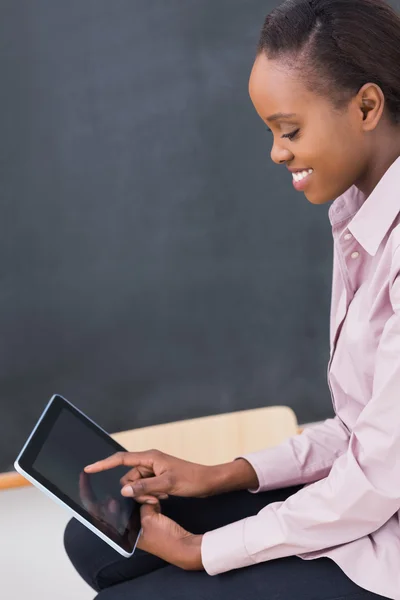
[[155, 264]]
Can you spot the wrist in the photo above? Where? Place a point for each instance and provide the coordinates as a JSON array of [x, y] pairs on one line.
[[192, 553], [232, 476]]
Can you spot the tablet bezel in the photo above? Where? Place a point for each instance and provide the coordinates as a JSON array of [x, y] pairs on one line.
[[24, 465]]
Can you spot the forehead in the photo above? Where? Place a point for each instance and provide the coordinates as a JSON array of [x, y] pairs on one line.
[[273, 87]]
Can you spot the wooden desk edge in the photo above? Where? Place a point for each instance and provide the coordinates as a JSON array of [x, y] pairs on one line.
[[12, 480], [15, 480]]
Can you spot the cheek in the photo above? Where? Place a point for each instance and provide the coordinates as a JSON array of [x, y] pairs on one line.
[[330, 151], [327, 152]]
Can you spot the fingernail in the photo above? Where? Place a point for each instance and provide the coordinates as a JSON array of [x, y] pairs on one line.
[[127, 490]]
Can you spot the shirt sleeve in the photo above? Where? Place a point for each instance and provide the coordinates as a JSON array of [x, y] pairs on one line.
[[301, 458], [360, 493]]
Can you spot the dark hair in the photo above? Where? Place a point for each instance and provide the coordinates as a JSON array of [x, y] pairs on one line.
[[336, 46]]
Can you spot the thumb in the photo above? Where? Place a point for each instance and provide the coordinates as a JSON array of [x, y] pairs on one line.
[[147, 486], [149, 510]]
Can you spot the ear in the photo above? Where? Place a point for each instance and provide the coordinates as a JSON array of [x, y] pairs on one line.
[[371, 102]]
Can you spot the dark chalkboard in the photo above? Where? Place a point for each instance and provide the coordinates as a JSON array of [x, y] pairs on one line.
[[155, 264]]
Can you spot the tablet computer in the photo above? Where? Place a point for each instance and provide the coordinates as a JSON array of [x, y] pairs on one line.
[[62, 443]]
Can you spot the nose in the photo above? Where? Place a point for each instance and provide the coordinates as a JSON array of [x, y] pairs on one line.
[[280, 155]]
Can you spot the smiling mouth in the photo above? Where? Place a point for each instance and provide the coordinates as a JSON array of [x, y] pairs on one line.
[[300, 181], [297, 175]]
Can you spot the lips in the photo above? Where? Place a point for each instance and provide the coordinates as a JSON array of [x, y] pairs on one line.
[[300, 185]]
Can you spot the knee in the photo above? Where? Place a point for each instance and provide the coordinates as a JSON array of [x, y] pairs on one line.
[[73, 534], [79, 545]]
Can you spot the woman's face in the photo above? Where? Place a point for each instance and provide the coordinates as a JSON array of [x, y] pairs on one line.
[[331, 144]]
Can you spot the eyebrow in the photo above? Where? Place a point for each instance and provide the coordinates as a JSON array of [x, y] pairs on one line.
[[280, 115]]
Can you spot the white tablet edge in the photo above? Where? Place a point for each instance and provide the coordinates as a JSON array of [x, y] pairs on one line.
[[79, 517]]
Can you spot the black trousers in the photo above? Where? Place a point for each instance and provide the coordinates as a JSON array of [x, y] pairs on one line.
[[148, 577]]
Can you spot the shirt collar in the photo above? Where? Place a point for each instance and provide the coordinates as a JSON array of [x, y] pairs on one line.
[[375, 214]]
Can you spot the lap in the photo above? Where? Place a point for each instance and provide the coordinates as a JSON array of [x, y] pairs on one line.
[[101, 566], [280, 579], [117, 578], [199, 515]]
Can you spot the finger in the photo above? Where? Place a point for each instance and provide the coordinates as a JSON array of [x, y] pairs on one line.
[[130, 477], [149, 510], [110, 462], [147, 500], [158, 495], [128, 459], [150, 485], [156, 498]]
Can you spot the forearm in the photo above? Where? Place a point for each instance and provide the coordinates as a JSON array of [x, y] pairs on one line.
[[235, 475], [300, 459]]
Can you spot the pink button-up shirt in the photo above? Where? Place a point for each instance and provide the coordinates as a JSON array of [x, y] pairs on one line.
[[348, 509]]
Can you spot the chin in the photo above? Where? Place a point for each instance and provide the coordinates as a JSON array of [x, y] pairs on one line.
[[315, 199]]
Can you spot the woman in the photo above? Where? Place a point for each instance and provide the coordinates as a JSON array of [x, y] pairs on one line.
[[333, 492]]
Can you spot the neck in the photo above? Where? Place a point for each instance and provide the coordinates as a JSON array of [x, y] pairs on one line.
[[386, 151]]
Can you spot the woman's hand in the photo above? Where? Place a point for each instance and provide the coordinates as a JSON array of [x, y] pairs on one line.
[[155, 475], [166, 539]]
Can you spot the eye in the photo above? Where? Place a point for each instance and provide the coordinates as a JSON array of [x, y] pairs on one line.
[[291, 135]]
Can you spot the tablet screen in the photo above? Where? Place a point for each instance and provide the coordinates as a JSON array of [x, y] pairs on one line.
[[64, 443]]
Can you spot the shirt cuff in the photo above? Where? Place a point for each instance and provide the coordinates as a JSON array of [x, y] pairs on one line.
[[275, 467], [244, 543], [223, 549]]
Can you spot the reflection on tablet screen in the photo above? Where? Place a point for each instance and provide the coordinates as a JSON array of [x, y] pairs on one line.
[[71, 446]]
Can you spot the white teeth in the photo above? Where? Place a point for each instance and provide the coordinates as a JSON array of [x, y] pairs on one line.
[[300, 175]]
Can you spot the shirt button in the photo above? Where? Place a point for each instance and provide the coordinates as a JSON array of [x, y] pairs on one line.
[[348, 236], [355, 254]]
